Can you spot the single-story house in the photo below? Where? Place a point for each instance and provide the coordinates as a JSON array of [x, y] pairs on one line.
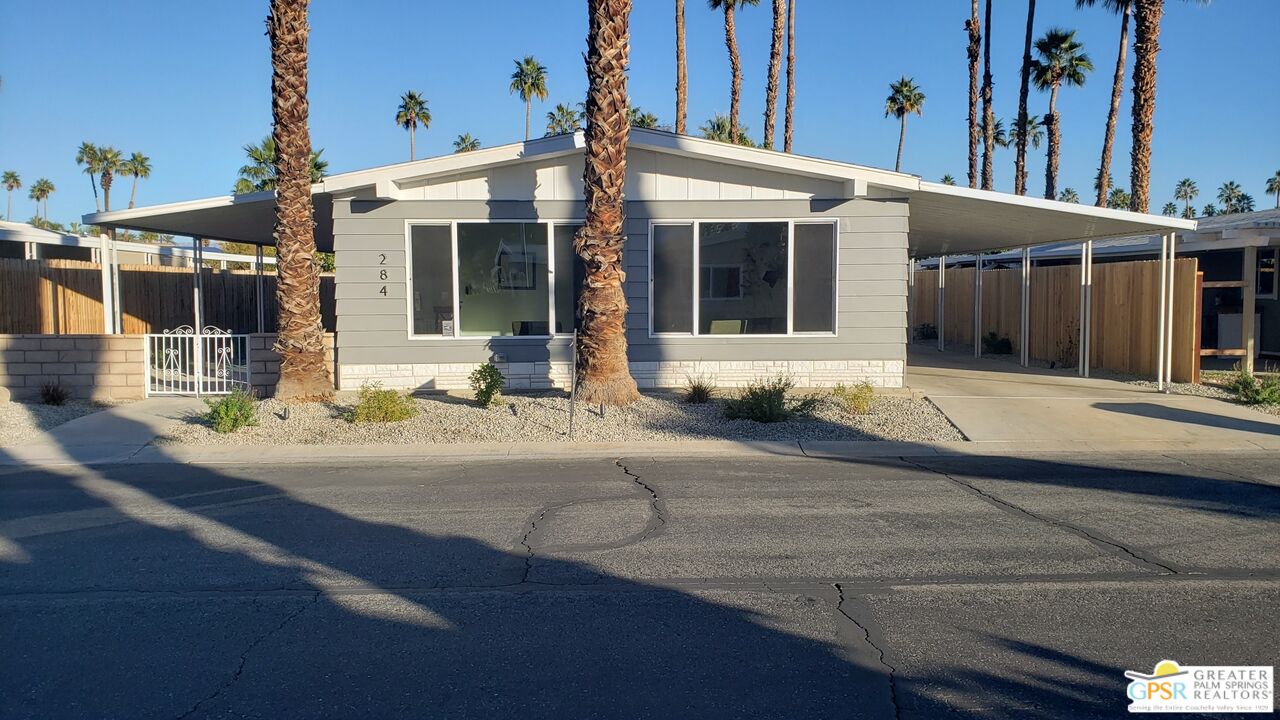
[[740, 262], [21, 241]]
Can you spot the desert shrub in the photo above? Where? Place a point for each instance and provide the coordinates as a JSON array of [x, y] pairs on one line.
[[375, 404], [487, 382], [54, 394], [926, 331], [993, 344], [855, 399], [1253, 390], [698, 390], [766, 401], [231, 412]]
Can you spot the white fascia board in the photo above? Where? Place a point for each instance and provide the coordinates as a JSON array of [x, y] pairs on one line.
[[119, 216], [1162, 221]]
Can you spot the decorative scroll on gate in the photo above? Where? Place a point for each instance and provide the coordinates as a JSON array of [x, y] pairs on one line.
[[184, 361]]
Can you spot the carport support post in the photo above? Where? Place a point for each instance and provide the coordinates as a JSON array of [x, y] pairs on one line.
[[911, 300], [1249, 273], [197, 281], [1086, 305], [258, 288], [1173, 269], [1164, 277], [942, 302], [1024, 327], [977, 305], [108, 277]]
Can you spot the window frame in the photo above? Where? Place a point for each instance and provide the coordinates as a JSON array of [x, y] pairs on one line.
[[791, 223]]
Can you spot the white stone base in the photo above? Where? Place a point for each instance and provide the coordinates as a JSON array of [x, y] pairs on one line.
[[667, 374]]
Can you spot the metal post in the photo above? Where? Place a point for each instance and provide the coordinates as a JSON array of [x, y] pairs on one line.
[[197, 282], [1164, 277], [1173, 269], [1086, 306], [911, 299], [1024, 328], [573, 382], [942, 302], [115, 286], [1249, 294], [258, 286], [104, 265], [977, 305]]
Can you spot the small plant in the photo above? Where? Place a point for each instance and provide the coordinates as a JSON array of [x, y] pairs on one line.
[[855, 399], [926, 331], [698, 390], [375, 404], [54, 394], [1253, 390], [993, 344], [766, 401], [232, 412], [487, 382]]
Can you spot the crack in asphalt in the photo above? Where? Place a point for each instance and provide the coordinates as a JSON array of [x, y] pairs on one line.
[[656, 503], [1096, 539], [244, 656], [866, 634]]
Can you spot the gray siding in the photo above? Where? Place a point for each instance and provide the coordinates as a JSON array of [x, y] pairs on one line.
[[369, 236]]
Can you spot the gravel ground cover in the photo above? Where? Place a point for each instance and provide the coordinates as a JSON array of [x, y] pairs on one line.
[[20, 421], [544, 418]]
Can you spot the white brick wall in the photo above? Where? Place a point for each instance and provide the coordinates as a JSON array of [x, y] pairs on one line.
[[526, 376]]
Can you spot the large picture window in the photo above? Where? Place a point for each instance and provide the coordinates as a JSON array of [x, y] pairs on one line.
[[743, 278]]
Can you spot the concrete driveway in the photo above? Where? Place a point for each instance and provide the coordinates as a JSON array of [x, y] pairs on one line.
[[996, 401]]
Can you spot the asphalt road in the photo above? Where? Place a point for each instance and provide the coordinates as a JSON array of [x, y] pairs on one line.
[[642, 588]]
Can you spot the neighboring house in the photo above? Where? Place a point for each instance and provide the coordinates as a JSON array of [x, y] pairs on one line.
[[26, 242], [740, 262]]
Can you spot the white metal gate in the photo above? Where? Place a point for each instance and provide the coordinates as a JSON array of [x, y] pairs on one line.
[[185, 361]]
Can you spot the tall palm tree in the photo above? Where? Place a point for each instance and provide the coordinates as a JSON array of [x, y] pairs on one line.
[[717, 128], [973, 27], [413, 111], [682, 73], [465, 143], [775, 69], [138, 167], [904, 99], [1034, 131], [304, 374], [1273, 186], [789, 113], [604, 375], [1020, 156], [1068, 195], [11, 182], [999, 136], [730, 7], [259, 174], [563, 120], [1062, 60], [1123, 8], [1229, 195], [988, 111], [529, 81], [87, 155], [110, 162], [641, 119], [1118, 199], [1186, 191], [40, 191], [1170, 209]]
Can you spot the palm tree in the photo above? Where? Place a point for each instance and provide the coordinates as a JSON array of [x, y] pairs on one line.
[[735, 63], [904, 98], [775, 69], [138, 167], [1118, 199], [1229, 195], [682, 73], [1020, 156], [999, 137], [110, 162], [260, 173], [40, 191], [974, 29], [1245, 203], [304, 374], [563, 121], [604, 376], [1034, 131], [465, 143], [717, 128], [1209, 210], [947, 180], [1170, 209], [87, 155], [1068, 196], [1186, 191], [988, 111], [1273, 186], [529, 81], [788, 122], [641, 119], [1123, 8], [11, 182], [413, 111], [1062, 61]]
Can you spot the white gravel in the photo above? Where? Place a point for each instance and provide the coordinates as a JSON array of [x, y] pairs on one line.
[[544, 417], [20, 421]]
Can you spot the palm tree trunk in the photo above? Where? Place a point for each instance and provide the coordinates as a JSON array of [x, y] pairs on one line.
[[304, 373], [975, 49], [528, 110], [8, 213], [902, 136], [411, 149], [791, 76], [1146, 44], [1020, 161], [735, 66], [604, 376], [93, 183], [1117, 90], [775, 69], [133, 192], [682, 73], [107, 178], [1055, 139], [988, 111]]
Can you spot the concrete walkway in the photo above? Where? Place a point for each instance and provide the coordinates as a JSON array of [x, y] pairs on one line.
[[112, 435], [996, 401]]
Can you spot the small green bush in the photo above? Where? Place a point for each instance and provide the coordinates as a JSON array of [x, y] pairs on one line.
[[229, 413], [54, 394], [856, 399], [698, 390], [1252, 390], [993, 344], [487, 382], [378, 405], [766, 401]]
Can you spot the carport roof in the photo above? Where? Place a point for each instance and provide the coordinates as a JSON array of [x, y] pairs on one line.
[[943, 218]]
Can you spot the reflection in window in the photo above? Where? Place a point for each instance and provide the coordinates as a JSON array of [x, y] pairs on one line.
[[432, 288], [815, 278], [502, 279], [1267, 271], [759, 251], [569, 276], [672, 275]]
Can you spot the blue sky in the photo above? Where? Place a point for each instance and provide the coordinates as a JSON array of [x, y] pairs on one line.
[[188, 84]]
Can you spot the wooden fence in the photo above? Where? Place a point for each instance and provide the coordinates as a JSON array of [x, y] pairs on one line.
[[1126, 301], [62, 297]]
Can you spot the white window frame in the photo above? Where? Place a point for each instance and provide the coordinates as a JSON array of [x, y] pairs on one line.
[[1275, 274], [696, 224]]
